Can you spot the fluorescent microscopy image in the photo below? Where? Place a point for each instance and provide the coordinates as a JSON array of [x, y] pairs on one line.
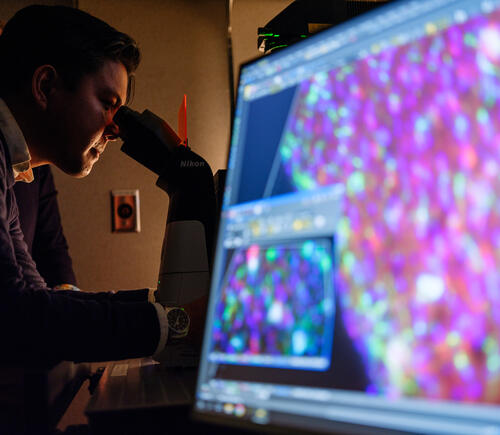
[[413, 133], [274, 301]]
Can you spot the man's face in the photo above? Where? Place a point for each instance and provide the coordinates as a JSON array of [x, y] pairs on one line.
[[80, 121]]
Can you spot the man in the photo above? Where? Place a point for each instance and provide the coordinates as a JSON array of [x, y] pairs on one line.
[[64, 75], [42, 228]]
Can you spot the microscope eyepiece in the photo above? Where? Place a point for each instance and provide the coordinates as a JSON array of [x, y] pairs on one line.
[[124, 117]]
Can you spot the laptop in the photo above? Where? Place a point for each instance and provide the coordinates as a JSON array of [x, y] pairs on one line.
[[356, 282]]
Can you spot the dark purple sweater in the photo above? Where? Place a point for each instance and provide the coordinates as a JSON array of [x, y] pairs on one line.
[[39, 326], [41, 225]]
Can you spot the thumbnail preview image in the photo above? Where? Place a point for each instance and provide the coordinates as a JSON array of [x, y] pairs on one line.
[[276, 300]]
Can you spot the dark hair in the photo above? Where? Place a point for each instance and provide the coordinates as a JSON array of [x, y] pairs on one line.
[[73, 41]]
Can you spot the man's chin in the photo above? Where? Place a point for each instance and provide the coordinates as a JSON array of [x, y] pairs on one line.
[[78, 171], [82, 174]]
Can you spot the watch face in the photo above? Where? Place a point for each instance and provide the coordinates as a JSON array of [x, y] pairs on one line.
[[178, 320]]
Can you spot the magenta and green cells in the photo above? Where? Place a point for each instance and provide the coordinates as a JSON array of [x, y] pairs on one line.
[[273, 301], [414, 135]]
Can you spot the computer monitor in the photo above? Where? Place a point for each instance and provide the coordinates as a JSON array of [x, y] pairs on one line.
[[356, 284]]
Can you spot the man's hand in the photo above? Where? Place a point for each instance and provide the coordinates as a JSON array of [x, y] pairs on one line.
[[66, 287]]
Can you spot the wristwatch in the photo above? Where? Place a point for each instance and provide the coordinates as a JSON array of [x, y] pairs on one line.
[[178, 322]]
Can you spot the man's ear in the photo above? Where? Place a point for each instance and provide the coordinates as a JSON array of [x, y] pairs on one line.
[[43, 84]]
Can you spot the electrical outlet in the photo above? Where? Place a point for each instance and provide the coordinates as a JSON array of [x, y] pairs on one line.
[[125, 211]]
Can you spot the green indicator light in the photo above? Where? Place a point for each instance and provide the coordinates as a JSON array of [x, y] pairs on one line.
[[279, 46], [276, 36]]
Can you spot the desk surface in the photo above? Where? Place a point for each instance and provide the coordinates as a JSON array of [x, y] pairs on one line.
[[137, 396]]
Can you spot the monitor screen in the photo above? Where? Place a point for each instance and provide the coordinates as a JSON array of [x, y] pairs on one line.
[[356, 281]]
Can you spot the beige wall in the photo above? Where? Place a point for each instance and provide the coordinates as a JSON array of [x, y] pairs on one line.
[[9, 7], [184, 47]]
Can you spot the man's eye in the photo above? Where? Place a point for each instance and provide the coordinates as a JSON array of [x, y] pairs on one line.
[[108, 105]]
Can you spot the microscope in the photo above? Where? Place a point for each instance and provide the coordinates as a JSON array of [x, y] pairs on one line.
[[187, 179]]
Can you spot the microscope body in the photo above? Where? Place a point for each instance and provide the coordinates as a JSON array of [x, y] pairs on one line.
[[188, 180], [189, 234]]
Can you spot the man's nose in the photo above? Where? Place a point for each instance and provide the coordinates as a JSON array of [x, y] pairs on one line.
[[112, 131]]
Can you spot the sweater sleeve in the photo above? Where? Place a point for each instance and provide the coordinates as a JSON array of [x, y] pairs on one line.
[[39, 326], [50, 249], [23, 257]]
